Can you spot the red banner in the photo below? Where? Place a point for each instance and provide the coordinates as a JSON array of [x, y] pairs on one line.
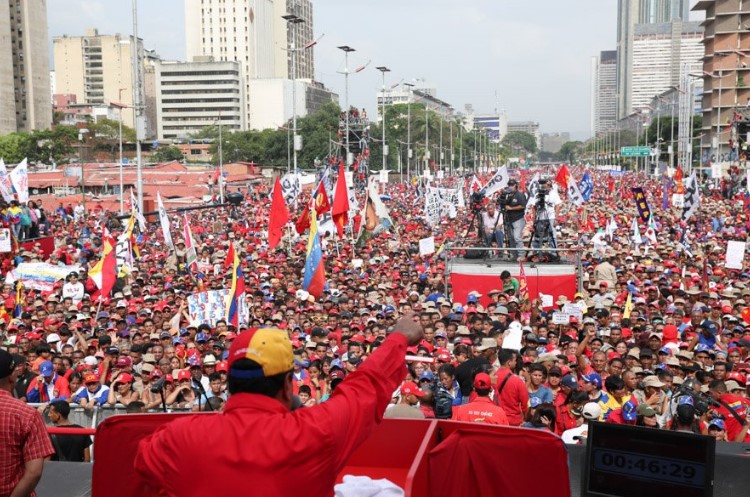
[[46, 243]]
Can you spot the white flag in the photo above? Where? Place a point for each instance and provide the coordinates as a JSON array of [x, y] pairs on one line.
[[138, 216], [497, 183], [19, 177], [574, 193], [636, 232], [164, 220], [611, 227], [6, 187], [692, 198]]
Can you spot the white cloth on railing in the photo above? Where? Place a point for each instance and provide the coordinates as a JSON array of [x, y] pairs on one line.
[[364, 486]]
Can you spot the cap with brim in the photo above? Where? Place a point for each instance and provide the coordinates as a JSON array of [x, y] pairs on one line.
[[270, 348]]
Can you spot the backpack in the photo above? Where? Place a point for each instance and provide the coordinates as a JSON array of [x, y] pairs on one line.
[[443, 402]]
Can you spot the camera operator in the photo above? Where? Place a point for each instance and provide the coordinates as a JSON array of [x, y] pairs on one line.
[[513, 203], [492, 224], [545, 212]]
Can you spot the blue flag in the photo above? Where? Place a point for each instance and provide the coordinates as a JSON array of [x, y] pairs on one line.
[[586, 186]]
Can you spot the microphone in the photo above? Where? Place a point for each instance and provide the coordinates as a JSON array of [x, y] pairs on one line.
[[158, 385]]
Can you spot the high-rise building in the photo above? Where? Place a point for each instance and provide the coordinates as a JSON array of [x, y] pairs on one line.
[[495, 124], [725, 67], [553, 142], [240, 31], [297, 34], [660, 54], [629, 14], [604, 92], [194, 95], [530, 127], [25, 97], [97, 69]]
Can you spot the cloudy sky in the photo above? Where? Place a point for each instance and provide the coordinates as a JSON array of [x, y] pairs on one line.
[[533, 54]]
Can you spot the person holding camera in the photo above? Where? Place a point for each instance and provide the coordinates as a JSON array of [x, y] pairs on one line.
[[547, 203], [514, 205], [492, 226]]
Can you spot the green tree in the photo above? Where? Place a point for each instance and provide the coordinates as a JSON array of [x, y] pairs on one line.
[[167, 154], [14, 147], [569, 151], [520, 140], [105, 135]]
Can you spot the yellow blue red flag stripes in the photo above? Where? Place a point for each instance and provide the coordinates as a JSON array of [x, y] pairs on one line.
[[238, 287], [315, 277]]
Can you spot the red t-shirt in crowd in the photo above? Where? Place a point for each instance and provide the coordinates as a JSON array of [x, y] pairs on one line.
[[514, 398], [480, 410], [740, 406]]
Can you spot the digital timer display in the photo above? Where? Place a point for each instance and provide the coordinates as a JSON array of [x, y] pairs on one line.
[[628, 460]]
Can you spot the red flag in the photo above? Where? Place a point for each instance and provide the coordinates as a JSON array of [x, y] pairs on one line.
[[678, 175], [216, 176], [303, 222], [279, 216], [563, 177], [523, 284], [340, 211], [322, 205]]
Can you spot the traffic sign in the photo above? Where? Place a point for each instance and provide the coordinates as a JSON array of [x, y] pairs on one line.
[[635, 151]]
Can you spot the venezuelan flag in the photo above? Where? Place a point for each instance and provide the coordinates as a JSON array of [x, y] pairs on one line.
[[315, 276], [238, 288], [18, 309]]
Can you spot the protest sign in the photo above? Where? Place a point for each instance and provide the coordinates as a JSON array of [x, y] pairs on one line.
[[41, 275], [211, 306], [427, 246], [735, 254]]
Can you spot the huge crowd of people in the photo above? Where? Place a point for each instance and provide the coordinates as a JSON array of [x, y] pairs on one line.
[[663, 340]]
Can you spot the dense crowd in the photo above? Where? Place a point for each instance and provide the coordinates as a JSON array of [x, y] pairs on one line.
[[663, 340]]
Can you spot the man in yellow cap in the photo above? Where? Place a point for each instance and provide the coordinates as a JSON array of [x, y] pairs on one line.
[[258, 445]]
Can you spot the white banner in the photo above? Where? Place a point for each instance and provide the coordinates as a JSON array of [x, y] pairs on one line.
[[678, 200], [290, 187], [19, 176], [383, 176], [735, 254], [164, 221], [427, 246], [692, 198], [40, 275], [5, 240], [432, 207], [498, 181], [6, 187], [211, 306]]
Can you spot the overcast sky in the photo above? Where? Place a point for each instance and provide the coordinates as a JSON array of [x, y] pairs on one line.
[[533, 54]]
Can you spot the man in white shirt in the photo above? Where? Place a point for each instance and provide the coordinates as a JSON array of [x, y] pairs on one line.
[[492, 226], [73, 289]]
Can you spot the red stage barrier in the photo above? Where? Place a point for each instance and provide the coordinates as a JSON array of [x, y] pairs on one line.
[[424, 457], [552, 280]]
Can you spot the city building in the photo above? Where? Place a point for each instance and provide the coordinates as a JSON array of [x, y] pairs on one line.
[[193, 95], [496, 125], [604, 92], [25, 97], [241, 31], [660, 53], [69, 112], [530, 127], [97, 69], [271, 101], [725, 67], [418, 94], [296, 34], [553, 142], [629, 14]]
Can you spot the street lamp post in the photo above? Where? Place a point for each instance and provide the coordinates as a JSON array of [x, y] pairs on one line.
[[408, 132], [120, 106], [426, 137], [292, 19], [383, 70], [347, 50], [137, 106]]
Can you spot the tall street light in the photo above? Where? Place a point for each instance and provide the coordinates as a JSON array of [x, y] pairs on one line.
[[347, 50], [383, 70], [408, 131], [137, 106], [120, 106], [291, 21]]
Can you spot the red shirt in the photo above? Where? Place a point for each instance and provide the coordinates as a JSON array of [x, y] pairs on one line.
[[514, 398], [740, 406], [23, 438], [260, 444], [480, 410], [564, 420]]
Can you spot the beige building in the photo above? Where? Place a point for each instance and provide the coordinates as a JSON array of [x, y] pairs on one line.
[[726, 80], [297, 34], [25, 97], [97, 69]]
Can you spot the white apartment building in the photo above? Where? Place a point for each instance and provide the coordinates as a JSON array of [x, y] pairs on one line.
[[271, 101], [25, 97], [417, 94], [659, 53], [97, 69], [193, 95], [530, 127], [604, 92]]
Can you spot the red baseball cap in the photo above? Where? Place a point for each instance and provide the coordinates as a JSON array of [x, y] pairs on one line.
[[482, 381], [90, 378], [184, 374], [124, 378], [411, 388]]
